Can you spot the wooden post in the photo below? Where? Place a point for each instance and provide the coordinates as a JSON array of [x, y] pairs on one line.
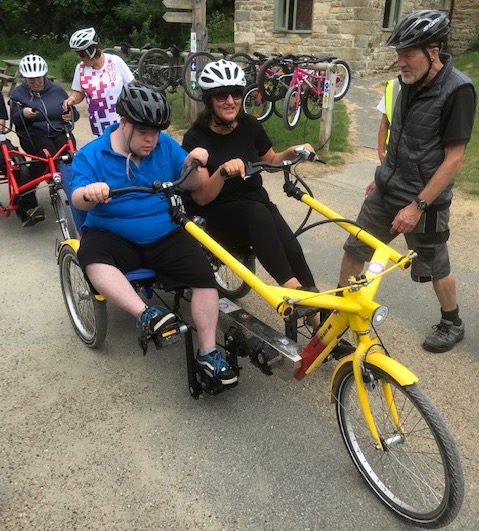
[[193, 11], [199, 43], [328, 105]]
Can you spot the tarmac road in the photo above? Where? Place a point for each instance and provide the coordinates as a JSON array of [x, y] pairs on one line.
[[110, 439]]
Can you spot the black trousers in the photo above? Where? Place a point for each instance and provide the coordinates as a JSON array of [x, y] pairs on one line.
[[246, 222]]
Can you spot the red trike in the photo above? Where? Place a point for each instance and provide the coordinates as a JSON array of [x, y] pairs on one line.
[[15, 174]]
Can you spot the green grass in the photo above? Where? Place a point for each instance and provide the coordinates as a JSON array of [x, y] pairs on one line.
[[468, 178]]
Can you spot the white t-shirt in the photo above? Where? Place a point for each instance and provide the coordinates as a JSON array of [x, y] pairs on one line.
[[101, 89], [382, 106]]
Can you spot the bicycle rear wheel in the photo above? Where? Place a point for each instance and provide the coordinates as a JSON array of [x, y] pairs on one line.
[[247, 64], [229, 284], [312, 104], [194, 64], [418, 475], [292, 108], [154, 69], [274, 78], [343, 79], [63, 213], [256, 105], [87, 314]]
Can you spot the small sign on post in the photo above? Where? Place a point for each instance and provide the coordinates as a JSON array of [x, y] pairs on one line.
[[178, 4], [328, 104], [180, 17]]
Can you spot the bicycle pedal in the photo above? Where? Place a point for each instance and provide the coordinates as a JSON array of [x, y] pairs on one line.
[[165, 339]]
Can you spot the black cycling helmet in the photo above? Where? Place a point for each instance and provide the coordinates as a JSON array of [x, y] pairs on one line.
[[141, 105], [419, 29]]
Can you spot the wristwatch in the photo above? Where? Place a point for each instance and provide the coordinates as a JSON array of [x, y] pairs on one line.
[[421, 204]]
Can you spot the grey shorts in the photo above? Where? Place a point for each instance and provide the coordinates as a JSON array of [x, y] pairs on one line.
[[429, 238]]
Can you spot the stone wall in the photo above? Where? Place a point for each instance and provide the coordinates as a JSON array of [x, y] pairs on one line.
[[349, 29], [464, 25]]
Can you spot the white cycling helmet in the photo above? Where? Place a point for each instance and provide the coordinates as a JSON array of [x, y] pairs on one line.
[[221, 74], [83, 39], [32, 66]]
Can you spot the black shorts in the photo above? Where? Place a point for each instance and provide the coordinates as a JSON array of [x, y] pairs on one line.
[[177, 259]]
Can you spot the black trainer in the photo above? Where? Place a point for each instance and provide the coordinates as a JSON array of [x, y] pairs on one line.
[[445, 335], [33, 216]]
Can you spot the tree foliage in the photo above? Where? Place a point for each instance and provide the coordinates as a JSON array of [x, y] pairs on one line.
[[133, 22]]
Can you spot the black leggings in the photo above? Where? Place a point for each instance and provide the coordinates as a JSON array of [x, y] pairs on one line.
[[261, 225]]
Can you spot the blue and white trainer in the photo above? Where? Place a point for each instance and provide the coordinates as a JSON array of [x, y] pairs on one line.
[[155, 318], [215, 365]]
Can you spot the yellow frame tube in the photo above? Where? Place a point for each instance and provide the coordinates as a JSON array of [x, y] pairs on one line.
[[358, 233]]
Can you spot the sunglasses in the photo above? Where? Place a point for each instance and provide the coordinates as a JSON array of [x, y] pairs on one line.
[[222, 95]]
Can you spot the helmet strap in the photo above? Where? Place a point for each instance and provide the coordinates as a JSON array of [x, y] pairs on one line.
[[429, 58], [91, 55], [221, 123], [130, 152]]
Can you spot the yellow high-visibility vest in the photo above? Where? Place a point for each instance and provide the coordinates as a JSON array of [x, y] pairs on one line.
[[391, 93]]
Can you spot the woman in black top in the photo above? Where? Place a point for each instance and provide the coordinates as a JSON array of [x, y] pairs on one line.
[[238, 211]]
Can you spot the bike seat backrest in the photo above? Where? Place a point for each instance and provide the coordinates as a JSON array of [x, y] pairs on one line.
[[78, 215]]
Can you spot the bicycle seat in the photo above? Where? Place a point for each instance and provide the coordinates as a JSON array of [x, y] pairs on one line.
[[141, 273]]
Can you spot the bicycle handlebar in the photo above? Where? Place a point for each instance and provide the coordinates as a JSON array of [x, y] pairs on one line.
[[302, 154], [157, 185]]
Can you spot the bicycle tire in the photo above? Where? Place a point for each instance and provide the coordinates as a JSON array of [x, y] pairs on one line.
[[254, 104], [191, 88], [343, 79], [419, 475], [154, 69], [274, 78], [112, 51], [292, 108], [312, 104], [228, 283], [247, 64], [87, 314], [278, 107], [64, 215]]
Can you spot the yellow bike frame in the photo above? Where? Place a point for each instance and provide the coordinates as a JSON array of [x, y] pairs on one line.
[[354, 309]]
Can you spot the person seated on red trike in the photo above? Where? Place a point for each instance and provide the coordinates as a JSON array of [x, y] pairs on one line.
[[38, 115]]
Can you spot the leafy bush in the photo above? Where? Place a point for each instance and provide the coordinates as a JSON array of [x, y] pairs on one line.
[[68, 62], [220, 28]]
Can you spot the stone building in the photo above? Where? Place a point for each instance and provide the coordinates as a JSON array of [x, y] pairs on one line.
[[353, 30]]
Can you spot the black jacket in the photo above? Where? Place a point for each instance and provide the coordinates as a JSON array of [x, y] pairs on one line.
[[49, 101], [415, 149]]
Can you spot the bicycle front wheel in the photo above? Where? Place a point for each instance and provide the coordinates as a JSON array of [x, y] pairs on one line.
[[87, 314], [229, 284], [194, 64], [343, 79], [154, 69], [63, 213], [256, 105], [418, 474], [292, 108]]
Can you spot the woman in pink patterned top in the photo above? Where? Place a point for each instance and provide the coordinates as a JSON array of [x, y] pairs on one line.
[[99, 77]]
